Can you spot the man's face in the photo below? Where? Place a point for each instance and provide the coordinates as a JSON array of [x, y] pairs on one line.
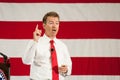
[[52, 26]]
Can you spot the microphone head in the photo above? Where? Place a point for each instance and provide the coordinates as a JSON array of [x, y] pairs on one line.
[[52, 49]]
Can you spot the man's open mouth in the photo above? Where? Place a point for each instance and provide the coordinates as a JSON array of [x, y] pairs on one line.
[[54, 30]]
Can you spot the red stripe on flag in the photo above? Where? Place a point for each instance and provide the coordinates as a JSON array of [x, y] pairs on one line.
[[81, 66], [61, 1], [96, 66], [17, 68], [68, 30]]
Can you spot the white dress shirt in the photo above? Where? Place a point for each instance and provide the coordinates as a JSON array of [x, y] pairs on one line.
[[39, 57]]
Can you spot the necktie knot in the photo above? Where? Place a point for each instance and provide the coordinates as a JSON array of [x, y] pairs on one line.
[[51, 41]]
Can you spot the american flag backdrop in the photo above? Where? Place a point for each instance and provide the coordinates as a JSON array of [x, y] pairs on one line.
[[89, 28]]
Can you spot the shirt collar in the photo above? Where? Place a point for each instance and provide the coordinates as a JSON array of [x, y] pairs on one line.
[[47, 39]]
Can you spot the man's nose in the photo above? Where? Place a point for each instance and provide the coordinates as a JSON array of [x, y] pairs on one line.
[[54, 25]]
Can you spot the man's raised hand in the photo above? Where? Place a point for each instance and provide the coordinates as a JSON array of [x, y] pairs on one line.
[[37, 33]]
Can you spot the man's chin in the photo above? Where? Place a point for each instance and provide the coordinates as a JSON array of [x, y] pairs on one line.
[[54, 35]]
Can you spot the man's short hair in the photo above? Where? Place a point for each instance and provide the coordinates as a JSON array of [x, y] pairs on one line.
[[52, 14]]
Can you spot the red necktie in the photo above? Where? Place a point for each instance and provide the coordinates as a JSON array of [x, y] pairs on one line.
[[55, 74]]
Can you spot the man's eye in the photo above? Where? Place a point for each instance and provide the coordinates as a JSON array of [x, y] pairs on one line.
[[57, 23], [50, 23]]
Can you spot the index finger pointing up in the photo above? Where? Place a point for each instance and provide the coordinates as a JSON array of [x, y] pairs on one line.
[[36, 27]]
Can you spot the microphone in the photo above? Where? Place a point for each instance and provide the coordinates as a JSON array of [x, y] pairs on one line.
[[5, 57], [51, 49]]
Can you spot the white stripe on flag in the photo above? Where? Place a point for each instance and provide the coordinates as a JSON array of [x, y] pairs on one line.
[[68, 12], [82, 47], [74, 78]]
